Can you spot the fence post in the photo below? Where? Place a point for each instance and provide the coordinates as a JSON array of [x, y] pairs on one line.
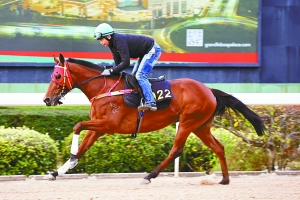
[[176, 163]]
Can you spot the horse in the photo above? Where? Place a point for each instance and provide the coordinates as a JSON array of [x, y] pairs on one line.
[[193, 105]]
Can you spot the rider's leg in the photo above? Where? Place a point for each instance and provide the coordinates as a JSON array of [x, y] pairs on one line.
[[136, 66], [147, 92], [145, 66]]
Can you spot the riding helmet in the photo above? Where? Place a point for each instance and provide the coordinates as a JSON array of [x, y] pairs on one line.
[[103, 30]]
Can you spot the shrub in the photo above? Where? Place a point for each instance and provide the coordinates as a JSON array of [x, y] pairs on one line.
[[57, 121], [27, 152], [240, 156]]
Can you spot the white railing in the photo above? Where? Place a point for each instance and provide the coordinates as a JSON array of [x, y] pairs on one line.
[[36, 99]]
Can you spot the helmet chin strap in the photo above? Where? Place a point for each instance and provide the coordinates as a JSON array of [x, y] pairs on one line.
[[108, 39]]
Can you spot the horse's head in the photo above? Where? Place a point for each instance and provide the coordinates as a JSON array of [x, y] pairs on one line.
[[61, 82]]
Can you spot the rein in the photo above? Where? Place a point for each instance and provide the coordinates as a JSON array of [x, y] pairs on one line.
[[67, 82], [88, 80]]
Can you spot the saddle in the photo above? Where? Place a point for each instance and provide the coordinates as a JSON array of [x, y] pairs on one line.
[[161, 90]]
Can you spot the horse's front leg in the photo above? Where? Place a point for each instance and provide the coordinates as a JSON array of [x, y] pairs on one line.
[[96, 128], [88, 140], [76, 153]]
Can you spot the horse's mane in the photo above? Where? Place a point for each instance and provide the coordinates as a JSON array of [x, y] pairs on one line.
[[86, 64]]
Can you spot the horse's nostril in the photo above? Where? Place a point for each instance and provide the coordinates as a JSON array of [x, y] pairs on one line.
[[46, 100]]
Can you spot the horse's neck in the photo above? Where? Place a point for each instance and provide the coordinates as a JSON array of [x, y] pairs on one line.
[[91, 84], [83, 78]]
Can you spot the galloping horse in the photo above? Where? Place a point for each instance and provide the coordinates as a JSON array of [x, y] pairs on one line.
[[193, 105]]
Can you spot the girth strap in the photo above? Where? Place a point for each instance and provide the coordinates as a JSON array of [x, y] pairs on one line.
[[138, 122]]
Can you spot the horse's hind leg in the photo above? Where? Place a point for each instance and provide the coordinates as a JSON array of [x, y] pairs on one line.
[[176, 151], [209, 140]]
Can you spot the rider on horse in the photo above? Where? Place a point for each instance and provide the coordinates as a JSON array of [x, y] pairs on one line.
[[126, 46]]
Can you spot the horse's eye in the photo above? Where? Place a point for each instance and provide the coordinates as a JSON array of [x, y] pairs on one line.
[[57, 75]]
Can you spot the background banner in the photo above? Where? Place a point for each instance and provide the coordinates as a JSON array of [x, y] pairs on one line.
[[190, 32]]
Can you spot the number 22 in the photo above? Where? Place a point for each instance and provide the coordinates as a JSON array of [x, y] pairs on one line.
[[162, 94]]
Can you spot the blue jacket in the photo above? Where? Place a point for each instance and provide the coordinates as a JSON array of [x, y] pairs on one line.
[[126, 46]]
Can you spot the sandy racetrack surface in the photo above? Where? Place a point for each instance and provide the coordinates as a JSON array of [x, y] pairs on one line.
[[261, 187]]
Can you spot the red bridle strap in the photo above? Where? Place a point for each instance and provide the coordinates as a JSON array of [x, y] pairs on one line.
[[116, 83]]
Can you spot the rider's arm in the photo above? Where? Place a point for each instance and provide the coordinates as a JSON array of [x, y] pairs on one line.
[[121, 57]]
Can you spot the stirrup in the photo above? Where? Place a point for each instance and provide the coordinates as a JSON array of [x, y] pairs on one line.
[[148, 106]]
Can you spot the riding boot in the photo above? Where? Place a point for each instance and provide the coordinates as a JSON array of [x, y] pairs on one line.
[[150, 103]]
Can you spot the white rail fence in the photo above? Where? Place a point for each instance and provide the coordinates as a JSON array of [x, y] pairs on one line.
[[36, 99]]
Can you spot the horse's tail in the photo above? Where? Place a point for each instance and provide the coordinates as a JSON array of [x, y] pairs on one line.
[[225, 101]]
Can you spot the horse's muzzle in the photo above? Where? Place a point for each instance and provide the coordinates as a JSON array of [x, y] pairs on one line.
[[52, 103], [47, 101]]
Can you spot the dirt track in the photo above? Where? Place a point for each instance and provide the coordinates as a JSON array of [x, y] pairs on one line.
[[262, 187]]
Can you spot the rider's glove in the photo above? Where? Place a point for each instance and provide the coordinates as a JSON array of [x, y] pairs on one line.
[[107, 72]]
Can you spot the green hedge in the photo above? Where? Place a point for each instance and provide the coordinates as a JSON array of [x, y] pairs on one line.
[[57, 121], [244, 150], [121, 153], [27, 152]]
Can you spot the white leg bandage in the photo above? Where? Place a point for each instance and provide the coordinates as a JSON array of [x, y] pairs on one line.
[[63, 169], [74, 147]]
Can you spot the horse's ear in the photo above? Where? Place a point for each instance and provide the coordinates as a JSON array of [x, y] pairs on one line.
[[55, 59], [61, 59]]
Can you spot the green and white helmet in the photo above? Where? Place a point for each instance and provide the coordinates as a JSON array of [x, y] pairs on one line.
[[103, 30]]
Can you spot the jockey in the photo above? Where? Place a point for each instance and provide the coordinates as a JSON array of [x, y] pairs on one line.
[[126, 46]]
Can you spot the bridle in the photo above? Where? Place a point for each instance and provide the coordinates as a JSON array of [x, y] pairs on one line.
[[67, 83], [62, 76]]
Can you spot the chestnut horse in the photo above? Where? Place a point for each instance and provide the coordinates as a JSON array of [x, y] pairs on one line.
[[193, 105]]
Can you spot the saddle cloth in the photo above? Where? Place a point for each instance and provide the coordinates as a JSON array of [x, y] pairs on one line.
[[161, 90]]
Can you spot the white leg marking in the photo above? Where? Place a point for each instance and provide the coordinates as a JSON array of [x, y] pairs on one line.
[[74, 147]]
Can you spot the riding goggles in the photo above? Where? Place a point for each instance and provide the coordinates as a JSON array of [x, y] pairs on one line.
[[98, 36]]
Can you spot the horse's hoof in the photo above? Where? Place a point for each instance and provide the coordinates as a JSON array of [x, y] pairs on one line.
[[225, 181], [49, 177], [73, 163], [145, 182]]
